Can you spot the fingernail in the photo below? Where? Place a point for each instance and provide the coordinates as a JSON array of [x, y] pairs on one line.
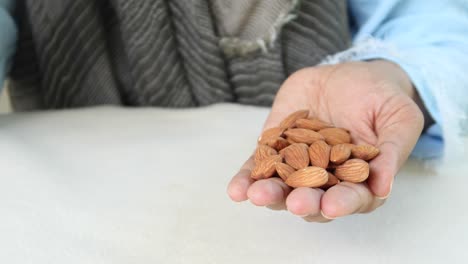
[[389, 192], [305, 215], [382, 197], [326, 216]]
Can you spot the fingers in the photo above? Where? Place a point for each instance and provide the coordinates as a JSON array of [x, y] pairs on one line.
[[313, 205], [304, 201], [277, 207], [317, 219], [398, 131], [240, 183], [348, 198], [383, 169], [269, 192]]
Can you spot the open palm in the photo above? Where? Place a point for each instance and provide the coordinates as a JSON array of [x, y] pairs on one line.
[[374, 101]]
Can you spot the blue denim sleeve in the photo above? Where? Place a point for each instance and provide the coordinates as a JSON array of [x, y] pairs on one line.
[[429, 41], [7, 37]]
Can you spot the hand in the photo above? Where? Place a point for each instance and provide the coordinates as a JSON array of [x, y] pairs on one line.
[[375, 101]]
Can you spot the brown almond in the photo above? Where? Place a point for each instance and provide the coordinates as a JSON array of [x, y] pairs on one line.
[[353, 170], [302, 135], [365, 152], [312, 124], [296, 155], [340, 153], [319, 154], [264, 151], [291, 141], [290, 120], [350, 145], [332, 181], [284, 170], [308, 177], [278, 143], [335, 136], [270, 134], [266, 168]]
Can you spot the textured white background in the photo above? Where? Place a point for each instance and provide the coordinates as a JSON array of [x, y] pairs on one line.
[[109, 185]]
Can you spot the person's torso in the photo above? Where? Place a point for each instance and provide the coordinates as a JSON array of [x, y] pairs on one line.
[[174, 53]]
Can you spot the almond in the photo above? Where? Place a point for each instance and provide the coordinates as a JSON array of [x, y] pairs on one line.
[[365, 152], [266, 168], [350, 145], [308, 177], [262, 152], [340, 153], [353, 170], [335, 136], [291, 141], [278, 143], [312, 124], [332, 181], [290, 121], [270, 134], [296, 156], [319, 154], [302, 135], [284, 170]]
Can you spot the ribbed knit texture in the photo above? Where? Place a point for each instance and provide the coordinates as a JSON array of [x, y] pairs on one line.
[[75, 53]]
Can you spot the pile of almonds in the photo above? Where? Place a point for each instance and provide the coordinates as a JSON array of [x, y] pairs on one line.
[[308, 152]]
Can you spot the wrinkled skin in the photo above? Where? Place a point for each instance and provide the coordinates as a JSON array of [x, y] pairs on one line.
[[375, 101]]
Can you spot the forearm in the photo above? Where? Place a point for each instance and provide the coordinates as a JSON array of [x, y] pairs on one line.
[[428, 41]]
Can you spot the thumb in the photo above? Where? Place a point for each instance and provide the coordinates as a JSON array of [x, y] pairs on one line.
[[397, 134]]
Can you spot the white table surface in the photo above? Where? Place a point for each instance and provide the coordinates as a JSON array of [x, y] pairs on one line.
[[109, 185]]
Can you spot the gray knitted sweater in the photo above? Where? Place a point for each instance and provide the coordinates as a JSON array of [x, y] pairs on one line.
[[173, 53]]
